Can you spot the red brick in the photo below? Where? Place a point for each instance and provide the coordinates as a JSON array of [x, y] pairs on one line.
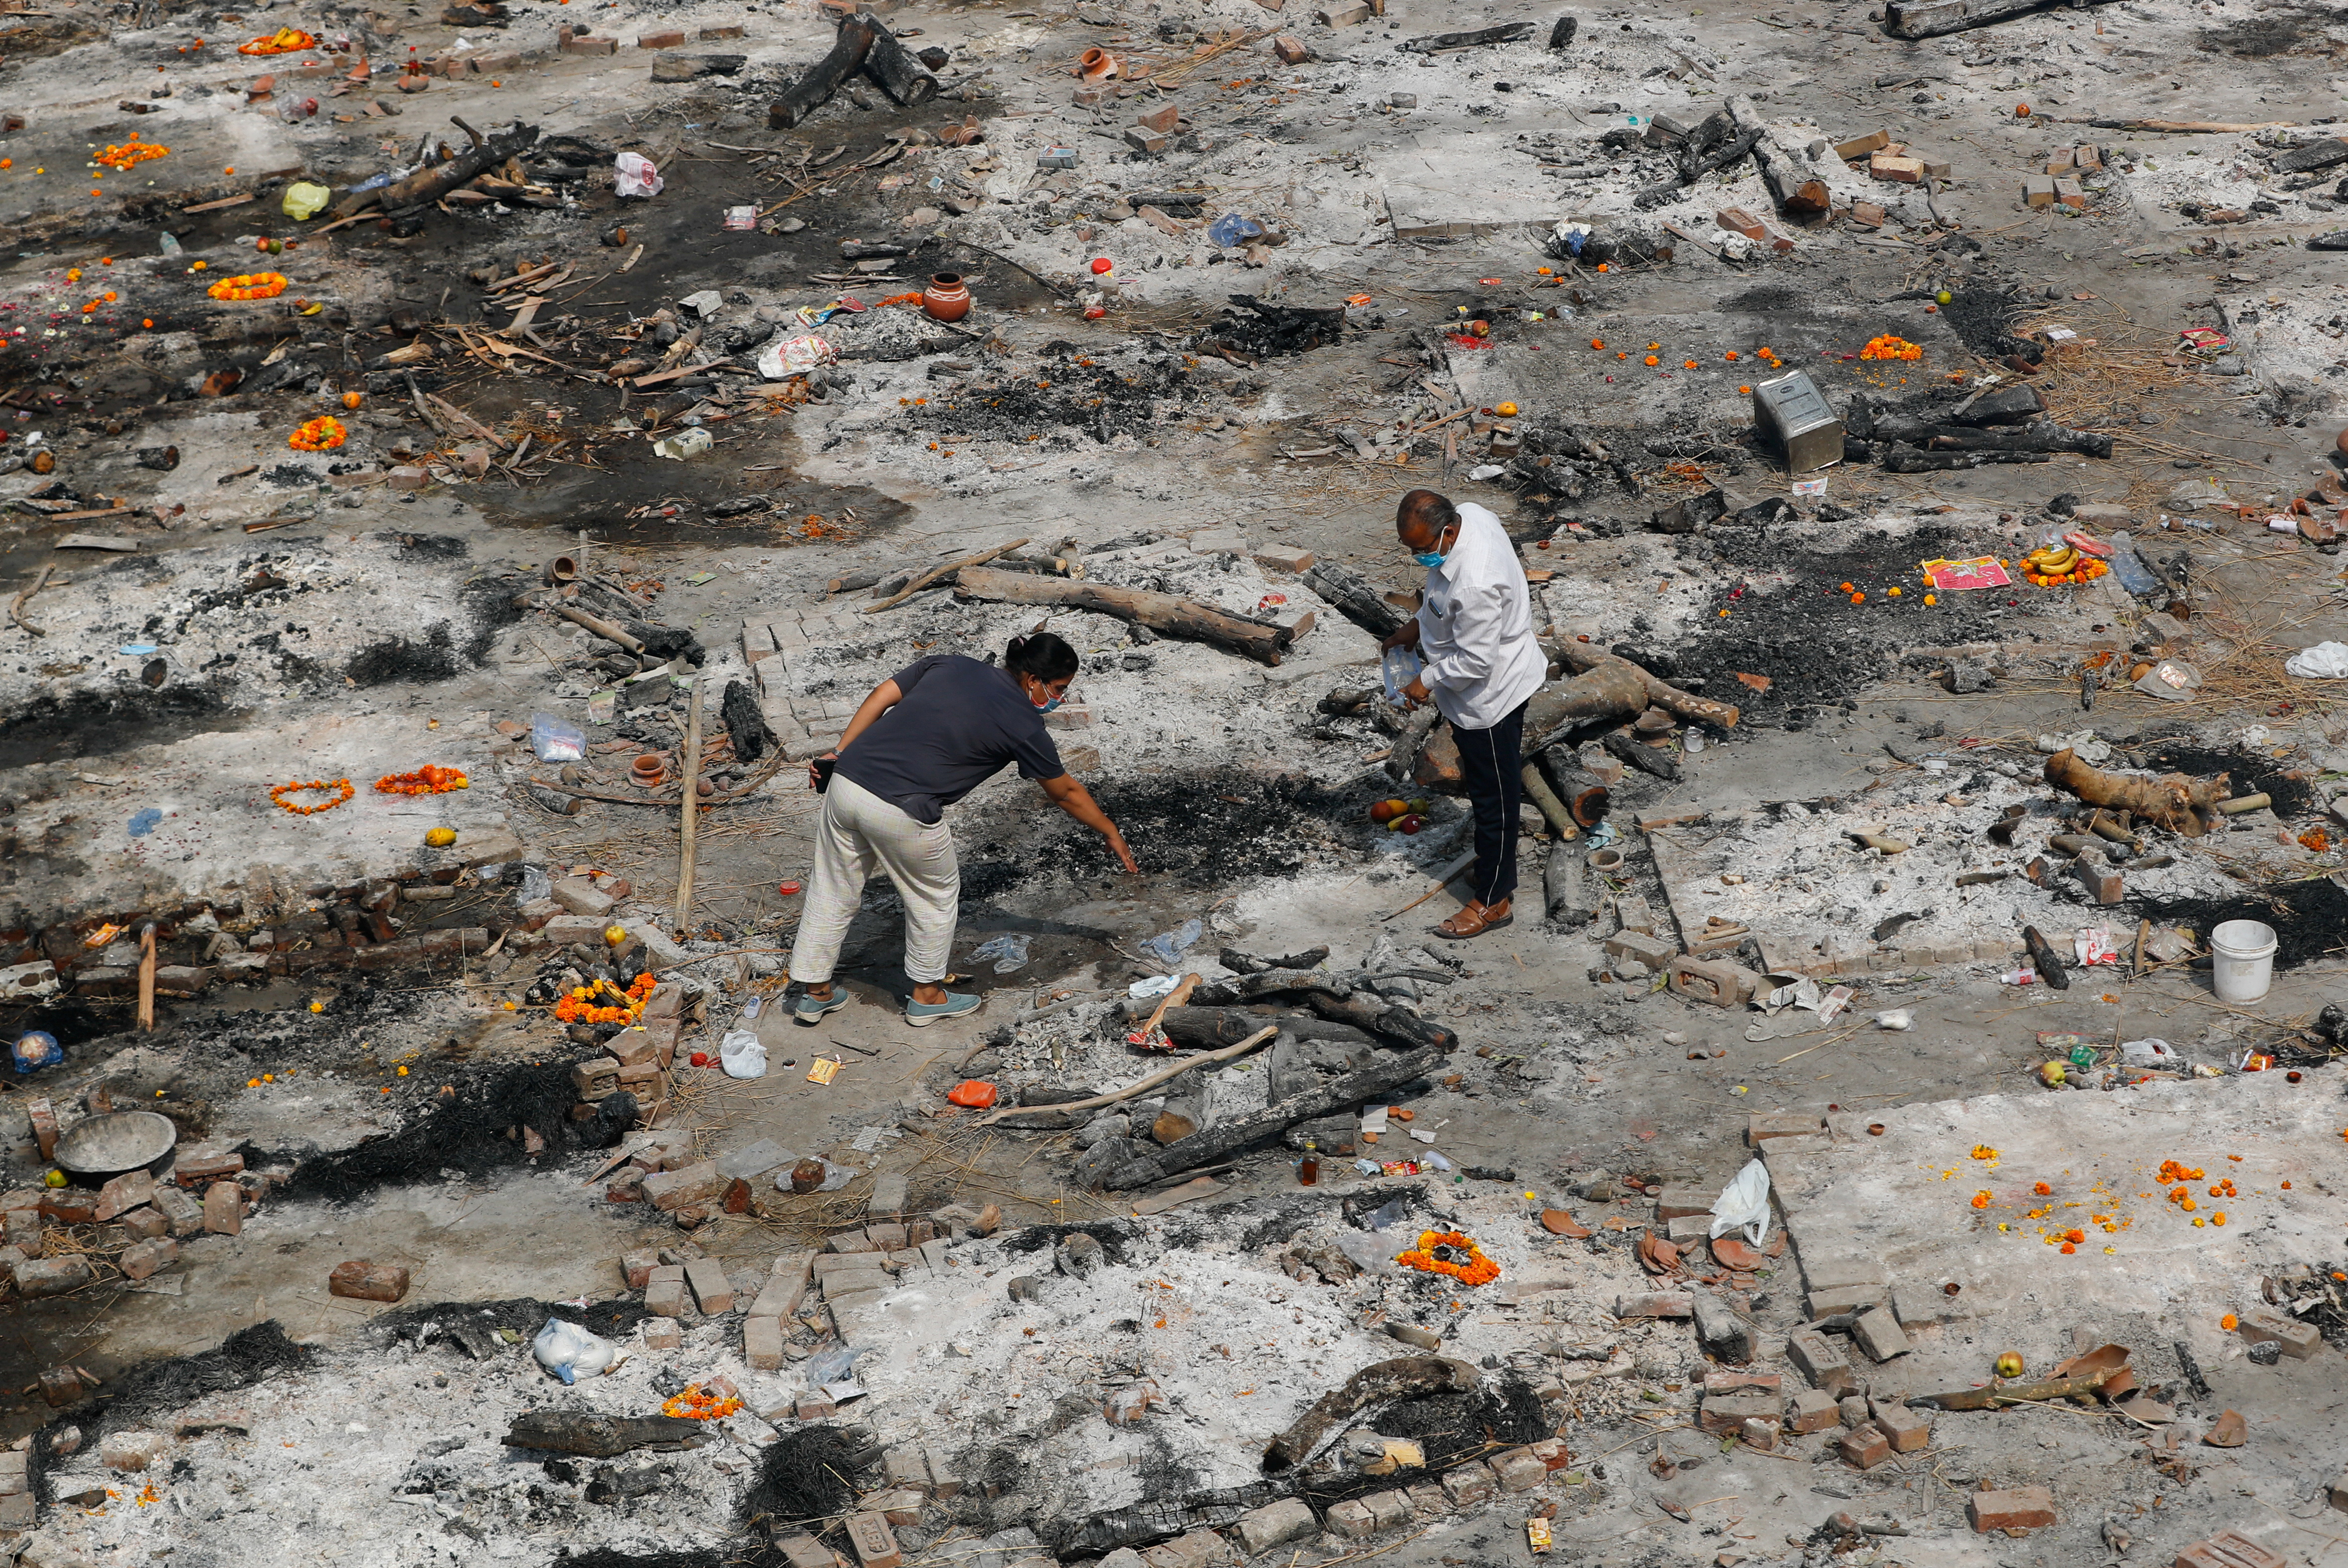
[[362, 1281], [710, 1290], [716, 36], [1164, 118], [661, 41], [147, 1257], [669, 1190], [52, 1276], [124, 1193], [201, 1167], [1865, 1447], [2023, 1508], [875, 1542], [1290, 50], [636, 1268], [570, 46], [70, 1206], [2226, 1549], [223, 1208], [1738, 221]]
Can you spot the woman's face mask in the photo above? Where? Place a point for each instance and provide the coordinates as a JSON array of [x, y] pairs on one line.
[[1049, 699]]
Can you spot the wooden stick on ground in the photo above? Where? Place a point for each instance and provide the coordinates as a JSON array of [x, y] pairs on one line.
[[948, 570], [146, 978], [1167, 614], [600, 627], [1441, 882], [1174, 998], [17, 606], [692, 808], [1132, 1089]]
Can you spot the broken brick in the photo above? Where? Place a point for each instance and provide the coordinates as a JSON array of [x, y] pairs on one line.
[[2227, 1549], [2299, 1340], [1865, 1447]]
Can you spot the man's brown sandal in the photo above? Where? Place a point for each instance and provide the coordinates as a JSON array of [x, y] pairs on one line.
[[1475, 921]]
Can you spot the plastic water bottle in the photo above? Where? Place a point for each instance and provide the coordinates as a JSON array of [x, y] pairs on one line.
[[169, 246], [2019, 978]]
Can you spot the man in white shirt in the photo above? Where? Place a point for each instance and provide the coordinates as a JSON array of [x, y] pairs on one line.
[[1475, 632]]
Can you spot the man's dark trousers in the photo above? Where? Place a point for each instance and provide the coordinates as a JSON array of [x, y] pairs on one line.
[[1491, 762]]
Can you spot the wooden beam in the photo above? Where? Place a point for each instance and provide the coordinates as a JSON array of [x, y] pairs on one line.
[[692, 808]]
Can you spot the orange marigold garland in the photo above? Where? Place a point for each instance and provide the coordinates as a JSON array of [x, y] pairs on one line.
[[694, 1405], [580, 1007], [322, 434], [122, 157], [278, 792], [248, 285], [430, 779], [284, 41], [1886, 347], [1450, 1253]]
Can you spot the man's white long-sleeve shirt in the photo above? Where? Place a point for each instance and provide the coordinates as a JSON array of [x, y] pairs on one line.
[[1476, 627]]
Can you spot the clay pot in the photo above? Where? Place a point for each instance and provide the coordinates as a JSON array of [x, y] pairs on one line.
[[947, 298], [807, 1176], [1096, 65], [562, 569], [648, 771], [1605, 860]]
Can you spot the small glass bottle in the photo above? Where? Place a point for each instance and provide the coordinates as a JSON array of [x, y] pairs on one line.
[[1308, 1170]]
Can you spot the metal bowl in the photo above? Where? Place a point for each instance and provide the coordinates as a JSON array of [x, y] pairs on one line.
[[105, 1146]]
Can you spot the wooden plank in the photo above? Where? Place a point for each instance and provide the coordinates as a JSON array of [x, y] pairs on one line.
[[97, 540], [223, 201], [94, 511], [1188, 1192]]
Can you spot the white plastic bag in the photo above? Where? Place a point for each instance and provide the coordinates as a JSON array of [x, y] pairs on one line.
[[795, 355], [565, 1349], [1744, 1205], [2325, 662], [741, 1054], [633, 175]]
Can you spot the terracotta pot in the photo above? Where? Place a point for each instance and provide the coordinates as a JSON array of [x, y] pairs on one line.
[[947, 298], [562, 569], [648, 771], [1096, 65]]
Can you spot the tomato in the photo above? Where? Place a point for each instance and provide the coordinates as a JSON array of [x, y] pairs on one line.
[[1412, 824], [1382, 812]]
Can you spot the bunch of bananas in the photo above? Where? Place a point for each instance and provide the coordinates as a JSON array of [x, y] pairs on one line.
[[2052, 564]]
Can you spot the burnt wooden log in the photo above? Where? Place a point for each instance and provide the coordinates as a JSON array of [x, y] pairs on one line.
[[434, 181], [850, 47], [602, 1436], [1586, 657], [2044, 435], [1908, 460], [1205, 1028], [1355, 598], [1693, 167], [1380, 1384], [1584, 796], [890, 65], [1793, 184], [1645, 759], [1507, 33], [1218, 1143], [1166, 615], [1935, 18]]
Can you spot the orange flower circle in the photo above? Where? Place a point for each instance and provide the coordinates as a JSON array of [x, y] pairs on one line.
[[322, 434]]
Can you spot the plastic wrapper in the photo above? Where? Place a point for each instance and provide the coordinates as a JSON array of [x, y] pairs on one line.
[[1167, 947], [742, 1054], [1371, 1253], [555, 741], [1744, 1205], [36, 1049], [569, 1351], [795, 355], [634, 174], [1009, 953], [2324, 662], [304, 200]]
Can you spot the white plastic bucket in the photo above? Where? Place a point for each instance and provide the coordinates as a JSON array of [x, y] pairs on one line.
[[2244, 953]]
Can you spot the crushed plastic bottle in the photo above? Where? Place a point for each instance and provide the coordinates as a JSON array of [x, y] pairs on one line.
[[2019, 978], [168, 246], [2135, 576]]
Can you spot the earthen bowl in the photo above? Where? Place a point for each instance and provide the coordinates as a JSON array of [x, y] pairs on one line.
[[107, 1146]]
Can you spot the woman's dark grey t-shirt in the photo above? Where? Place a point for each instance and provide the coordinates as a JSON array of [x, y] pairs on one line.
[[961, 720]]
